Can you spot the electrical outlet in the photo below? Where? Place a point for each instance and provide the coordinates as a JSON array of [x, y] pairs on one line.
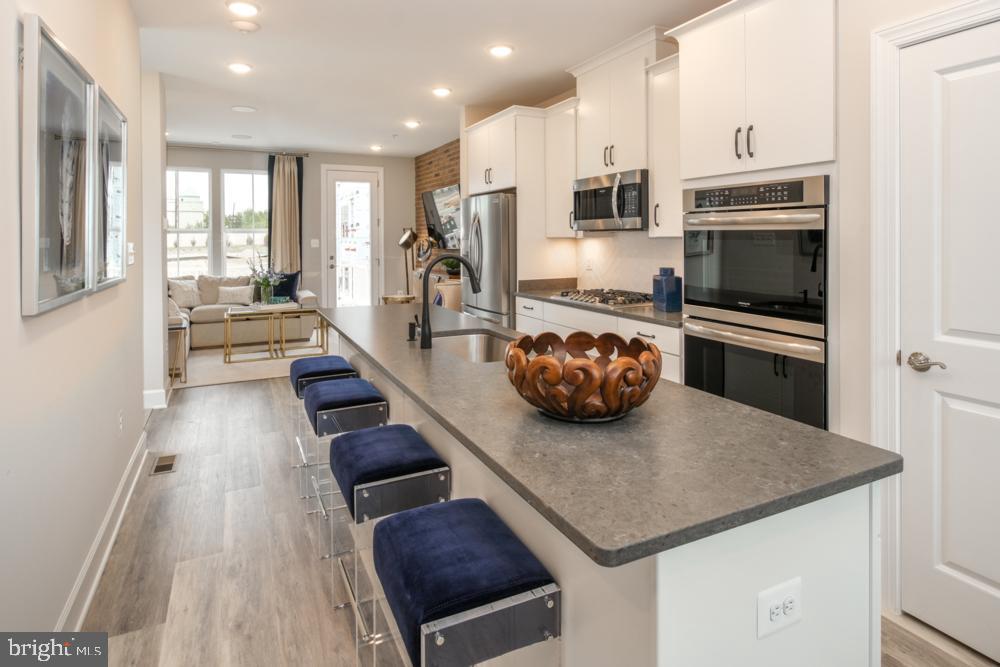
[[779, 606]]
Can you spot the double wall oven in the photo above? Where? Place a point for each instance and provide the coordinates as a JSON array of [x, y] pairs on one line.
[[755, 295]]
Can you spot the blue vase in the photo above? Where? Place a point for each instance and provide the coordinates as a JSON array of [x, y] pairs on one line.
[[674, 295], [663, 283]]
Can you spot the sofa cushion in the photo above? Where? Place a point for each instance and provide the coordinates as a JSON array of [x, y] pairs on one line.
[[209, 286], [184, 293], [439, 560], [289, 285], [241, 296], [215, 312]]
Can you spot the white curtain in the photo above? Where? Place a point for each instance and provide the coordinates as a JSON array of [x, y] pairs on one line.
[[285, 242]]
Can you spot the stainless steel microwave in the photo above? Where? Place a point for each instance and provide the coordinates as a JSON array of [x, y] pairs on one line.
[[614, 202]]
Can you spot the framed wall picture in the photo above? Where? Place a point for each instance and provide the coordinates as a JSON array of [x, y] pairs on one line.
[[110, 193], [57, 186]]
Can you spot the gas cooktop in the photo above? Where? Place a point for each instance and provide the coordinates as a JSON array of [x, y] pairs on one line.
[[613, 299]]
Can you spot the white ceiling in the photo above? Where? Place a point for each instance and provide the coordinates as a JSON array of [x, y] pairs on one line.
[[340, 75]]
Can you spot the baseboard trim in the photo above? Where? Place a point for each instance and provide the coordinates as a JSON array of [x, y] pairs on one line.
[[154, 399], [75, 609]]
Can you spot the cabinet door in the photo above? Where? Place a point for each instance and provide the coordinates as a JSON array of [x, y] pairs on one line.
[[560, 170], [790, 47], [479, 158], [803, 391], [529, 325], [503, 153], [664, 155], [593, 123], [713, 98], [627, 135]]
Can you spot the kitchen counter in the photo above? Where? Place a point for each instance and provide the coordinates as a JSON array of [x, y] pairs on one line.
[[685, 466], [640, 313]]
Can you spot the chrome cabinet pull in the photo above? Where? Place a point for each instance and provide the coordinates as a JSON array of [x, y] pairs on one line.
[[921, 363], [528, 307], [736, 143], [749, 150], [612, 154], [572, 222], [606, 157], [645, 335], [656, 215]]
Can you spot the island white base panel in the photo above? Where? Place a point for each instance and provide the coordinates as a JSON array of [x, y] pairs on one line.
[[694, 605]]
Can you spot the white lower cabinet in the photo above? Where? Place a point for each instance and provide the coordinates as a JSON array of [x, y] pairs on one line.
[[529, 325]]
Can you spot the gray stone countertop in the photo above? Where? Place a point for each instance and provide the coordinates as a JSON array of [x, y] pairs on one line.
[[640, 313], [684, 466]]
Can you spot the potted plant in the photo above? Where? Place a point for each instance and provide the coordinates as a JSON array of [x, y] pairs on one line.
[[452, 267], [264, 279]]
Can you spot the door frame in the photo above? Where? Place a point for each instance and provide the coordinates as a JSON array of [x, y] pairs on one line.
[[886, 45], [378, 241]]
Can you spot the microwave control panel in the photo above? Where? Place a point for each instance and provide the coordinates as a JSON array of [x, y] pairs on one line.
[[632, 204], [778, 194]]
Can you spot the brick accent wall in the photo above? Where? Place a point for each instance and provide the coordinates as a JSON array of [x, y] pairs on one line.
[[434, 169]]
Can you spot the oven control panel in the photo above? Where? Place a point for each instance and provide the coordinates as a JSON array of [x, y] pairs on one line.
[[776, 194]]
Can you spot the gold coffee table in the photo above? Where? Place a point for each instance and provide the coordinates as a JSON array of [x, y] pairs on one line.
[[275, 319]]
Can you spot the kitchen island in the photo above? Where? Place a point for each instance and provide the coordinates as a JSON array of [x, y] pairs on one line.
[[661, 528]]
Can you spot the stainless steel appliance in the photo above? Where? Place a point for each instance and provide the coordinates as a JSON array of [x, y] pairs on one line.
[[618, 201], [489, 241], [755, 294], [613, 299]]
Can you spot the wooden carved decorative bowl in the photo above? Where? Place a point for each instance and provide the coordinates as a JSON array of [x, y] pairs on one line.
[[584, 378]]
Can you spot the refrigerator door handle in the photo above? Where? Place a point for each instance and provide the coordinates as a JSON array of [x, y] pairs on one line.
[[477, 233]]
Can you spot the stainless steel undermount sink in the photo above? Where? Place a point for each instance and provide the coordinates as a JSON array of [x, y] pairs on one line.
[[478, 346]]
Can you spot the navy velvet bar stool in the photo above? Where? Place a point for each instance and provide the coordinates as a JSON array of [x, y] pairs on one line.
[[302, 373], [461, 587]]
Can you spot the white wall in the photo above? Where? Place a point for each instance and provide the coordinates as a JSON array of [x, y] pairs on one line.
[[71, 372], [398, 189], [625, 260], [154, 271], [857, 19]]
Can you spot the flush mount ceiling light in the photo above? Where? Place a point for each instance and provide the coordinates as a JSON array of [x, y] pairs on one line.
[[240, 68], [412, 124], [442, 92], [244, 109], [242, 136], [166, 134], [245, 26], [501, 51], [242, 8], [376, 147]]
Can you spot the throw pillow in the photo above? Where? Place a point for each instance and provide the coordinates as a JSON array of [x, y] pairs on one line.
[[184, 293], [241, 296], [209, 286], [289, 285]]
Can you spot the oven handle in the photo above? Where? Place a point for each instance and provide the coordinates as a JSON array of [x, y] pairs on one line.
[[614, 199], [809, 352], [781, 219]]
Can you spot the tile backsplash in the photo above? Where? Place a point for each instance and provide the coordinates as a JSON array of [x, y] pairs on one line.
[[625, 260]]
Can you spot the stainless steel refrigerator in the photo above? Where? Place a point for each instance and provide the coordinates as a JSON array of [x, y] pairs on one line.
[[489, 241]]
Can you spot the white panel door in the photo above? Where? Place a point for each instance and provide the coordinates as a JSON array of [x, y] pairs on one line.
[[713, 98], [790, 50], [627, 133], [560, 171], [503, 153], [479, 158], [593, 123], [950, 311], [664, 155]]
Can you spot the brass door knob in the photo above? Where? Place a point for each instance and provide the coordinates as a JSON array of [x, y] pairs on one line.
[[921, 363]]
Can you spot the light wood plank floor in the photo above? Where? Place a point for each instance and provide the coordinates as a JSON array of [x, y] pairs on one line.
[[216, 564]]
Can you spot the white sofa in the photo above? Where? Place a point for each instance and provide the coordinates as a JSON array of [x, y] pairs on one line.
[[207, 319]]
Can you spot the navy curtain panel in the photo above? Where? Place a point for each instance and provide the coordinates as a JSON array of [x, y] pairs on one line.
[[284, 252]]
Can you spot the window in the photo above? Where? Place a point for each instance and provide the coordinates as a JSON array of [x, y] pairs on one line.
[[188, 226], [244, 234]]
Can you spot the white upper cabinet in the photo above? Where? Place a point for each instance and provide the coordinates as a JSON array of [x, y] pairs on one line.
[[757, 87], [560, 168], [713, 97], [611, 116], [664, 153], [492, 154], [790, 82]]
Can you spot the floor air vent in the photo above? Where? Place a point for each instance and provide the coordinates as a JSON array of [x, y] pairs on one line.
[[164, 464]]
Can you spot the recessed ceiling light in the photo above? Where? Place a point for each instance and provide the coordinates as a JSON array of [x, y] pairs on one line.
[[240, 68], [245, 26], [412, 124], [244, 109], [442, 92], [242, 8], [242, 136], [376, 147], [501, 51], [166, 134]]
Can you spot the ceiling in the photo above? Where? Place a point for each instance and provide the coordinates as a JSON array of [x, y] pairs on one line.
[[341, 75]]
